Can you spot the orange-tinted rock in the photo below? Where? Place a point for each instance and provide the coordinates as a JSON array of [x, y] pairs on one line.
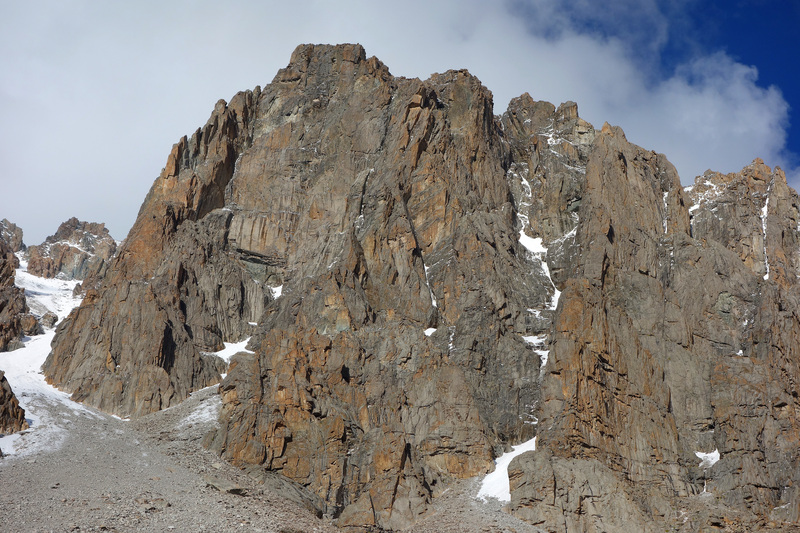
[[387, 238]]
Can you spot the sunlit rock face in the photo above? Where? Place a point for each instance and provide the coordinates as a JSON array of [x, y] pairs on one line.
[[77, 250], [425, 284]]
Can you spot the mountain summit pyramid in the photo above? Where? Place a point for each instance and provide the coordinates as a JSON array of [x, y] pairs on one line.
[[424, 284]]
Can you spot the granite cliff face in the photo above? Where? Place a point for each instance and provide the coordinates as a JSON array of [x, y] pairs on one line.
[[77, 250], [424, 284]]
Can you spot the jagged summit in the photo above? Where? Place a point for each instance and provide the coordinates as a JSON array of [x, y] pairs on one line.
[[77, 250], [11, 234], [424, 284]]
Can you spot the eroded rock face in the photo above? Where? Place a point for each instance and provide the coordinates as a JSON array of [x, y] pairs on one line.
[[671, 340], [425, 283], [14, 316], [76, 251], [12, 416], [11, 234]]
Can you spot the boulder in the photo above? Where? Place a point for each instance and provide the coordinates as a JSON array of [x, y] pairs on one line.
[[49, 319]]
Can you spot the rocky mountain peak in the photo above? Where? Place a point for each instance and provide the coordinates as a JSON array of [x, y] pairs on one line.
[[11, 234], [754, 214], [420, 284], [76, 250]]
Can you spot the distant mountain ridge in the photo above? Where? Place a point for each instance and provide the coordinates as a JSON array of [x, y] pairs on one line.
[[77, 250], [425, 284]]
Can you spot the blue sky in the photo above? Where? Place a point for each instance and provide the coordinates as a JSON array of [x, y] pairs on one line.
[[95, 93], [762, 33]]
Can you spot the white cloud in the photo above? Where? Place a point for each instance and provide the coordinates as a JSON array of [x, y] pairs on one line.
[[96, 93]]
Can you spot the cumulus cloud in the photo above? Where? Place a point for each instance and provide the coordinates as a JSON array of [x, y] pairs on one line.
[[96, 93]]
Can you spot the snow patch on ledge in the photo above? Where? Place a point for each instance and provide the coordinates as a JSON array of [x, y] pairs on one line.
[[538, 341], [536, 247], [430, 331], [707, 460], [276, 291], [231, 349], [495, 485]]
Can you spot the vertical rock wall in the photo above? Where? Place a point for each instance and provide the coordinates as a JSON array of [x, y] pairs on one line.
[[12, 416]]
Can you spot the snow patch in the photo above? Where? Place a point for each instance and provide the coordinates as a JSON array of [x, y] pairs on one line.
[[536, 340], [231, 349], [533, 245], [22, 370], [277, 291], [536, 247], [430, 331], [543, 356], [495, 485], [206, 412], [707, 460]]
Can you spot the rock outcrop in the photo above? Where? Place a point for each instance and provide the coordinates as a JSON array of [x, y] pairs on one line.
[[424, 284], [76, 251], [11, 234], [12, 416], [15, 321]]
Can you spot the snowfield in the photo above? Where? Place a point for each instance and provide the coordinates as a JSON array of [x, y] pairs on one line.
[[22, 367], [495, 485]]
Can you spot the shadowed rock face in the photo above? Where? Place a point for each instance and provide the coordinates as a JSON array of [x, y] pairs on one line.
[[76, 251], [396, 254], [12, 416]]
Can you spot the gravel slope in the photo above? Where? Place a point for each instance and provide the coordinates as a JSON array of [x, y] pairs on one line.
[[152, 474]]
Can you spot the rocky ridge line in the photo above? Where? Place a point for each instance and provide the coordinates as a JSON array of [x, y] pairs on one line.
[[77, 250]]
